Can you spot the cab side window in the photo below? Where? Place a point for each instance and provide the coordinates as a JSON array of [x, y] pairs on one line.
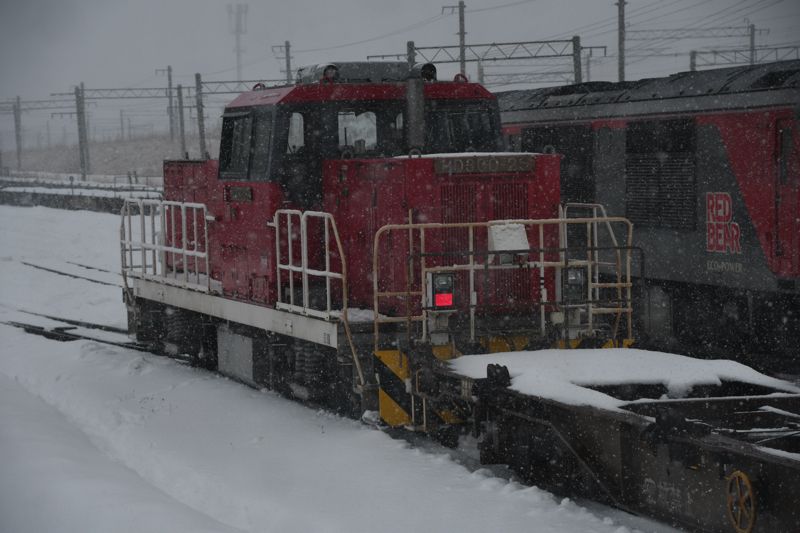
[[358, 131], [297, 136], [235, 146], [262, 140]]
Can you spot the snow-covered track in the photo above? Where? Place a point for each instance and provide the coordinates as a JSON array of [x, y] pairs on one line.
[[63, 273], [71, 333]]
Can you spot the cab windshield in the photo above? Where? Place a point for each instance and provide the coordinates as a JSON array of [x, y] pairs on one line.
[[461, 126]]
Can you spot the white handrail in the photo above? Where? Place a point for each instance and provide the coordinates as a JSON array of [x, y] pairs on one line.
[[179, 260], [538, 262]]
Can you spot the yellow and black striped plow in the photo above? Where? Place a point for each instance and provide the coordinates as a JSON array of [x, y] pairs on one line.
[[394, 401]]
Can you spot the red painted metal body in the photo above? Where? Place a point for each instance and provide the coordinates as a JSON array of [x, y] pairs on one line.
[[362, 194], [240, 244], [752, 142]]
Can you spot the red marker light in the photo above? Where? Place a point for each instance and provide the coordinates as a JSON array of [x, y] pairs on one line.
[[443, 299]]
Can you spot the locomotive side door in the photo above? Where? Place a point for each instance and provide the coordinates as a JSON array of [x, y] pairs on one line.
[[787, 198]]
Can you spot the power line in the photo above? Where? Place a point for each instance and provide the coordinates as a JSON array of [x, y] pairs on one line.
[[503, 6]]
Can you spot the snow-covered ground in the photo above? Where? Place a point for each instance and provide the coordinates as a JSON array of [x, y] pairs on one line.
[[100, 438]]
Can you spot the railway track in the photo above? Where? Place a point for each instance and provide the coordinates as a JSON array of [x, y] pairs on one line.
[[75, 330], [71, 275]]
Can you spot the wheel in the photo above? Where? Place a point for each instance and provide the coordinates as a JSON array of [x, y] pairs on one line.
[[741, 502]]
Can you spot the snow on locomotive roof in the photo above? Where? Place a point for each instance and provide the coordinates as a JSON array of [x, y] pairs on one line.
[[767, 76], [568, 375]]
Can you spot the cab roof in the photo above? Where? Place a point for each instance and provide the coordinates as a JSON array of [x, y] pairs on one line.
[[359, 80]]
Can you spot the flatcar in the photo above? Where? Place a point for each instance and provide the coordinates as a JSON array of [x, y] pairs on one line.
[[707, 166]]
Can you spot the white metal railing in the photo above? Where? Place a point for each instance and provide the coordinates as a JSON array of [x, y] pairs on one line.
[[292, 239], [600, 260], [291, 245], [536, 261], [165, 241]]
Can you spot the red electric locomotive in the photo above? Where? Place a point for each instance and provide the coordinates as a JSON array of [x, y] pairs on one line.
[[360, 227], [707, 166]]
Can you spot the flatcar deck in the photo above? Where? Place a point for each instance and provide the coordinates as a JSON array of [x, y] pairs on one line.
[[708, 445]]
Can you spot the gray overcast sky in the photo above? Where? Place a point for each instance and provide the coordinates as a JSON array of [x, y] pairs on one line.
[[48, 46]]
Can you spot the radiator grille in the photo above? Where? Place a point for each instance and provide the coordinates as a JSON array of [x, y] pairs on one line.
[[661, 190], [506, 289], [509, 201], [458, 205]]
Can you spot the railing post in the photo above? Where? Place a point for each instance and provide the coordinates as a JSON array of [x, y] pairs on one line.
[[304, 259]]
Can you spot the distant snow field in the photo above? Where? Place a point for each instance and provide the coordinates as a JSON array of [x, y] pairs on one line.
[[105, 439]]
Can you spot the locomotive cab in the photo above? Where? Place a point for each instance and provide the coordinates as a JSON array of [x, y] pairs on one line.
[[286, 140]]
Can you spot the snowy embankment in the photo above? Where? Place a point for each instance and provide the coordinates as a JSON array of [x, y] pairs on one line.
[[81, 191], [100, 438], [61, 178]]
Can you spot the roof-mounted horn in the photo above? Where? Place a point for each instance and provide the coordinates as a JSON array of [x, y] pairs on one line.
[[424, 71]]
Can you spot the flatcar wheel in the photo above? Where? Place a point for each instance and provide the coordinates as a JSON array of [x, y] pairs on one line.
[[741, 502]]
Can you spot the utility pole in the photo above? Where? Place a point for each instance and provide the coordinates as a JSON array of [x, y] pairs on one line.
[[181, 129], [201, 127], [121, 126], [130, 130], [411, 54], [237, 20], [287, 53], [18, 130], [589, 68], [285, 49], [170, 107], [461, 34], [621, 39], [80, 113], [752, 29], [576, 59]]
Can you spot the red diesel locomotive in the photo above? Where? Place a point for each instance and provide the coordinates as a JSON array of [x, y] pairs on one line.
[[363, 222], [707, 166]]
